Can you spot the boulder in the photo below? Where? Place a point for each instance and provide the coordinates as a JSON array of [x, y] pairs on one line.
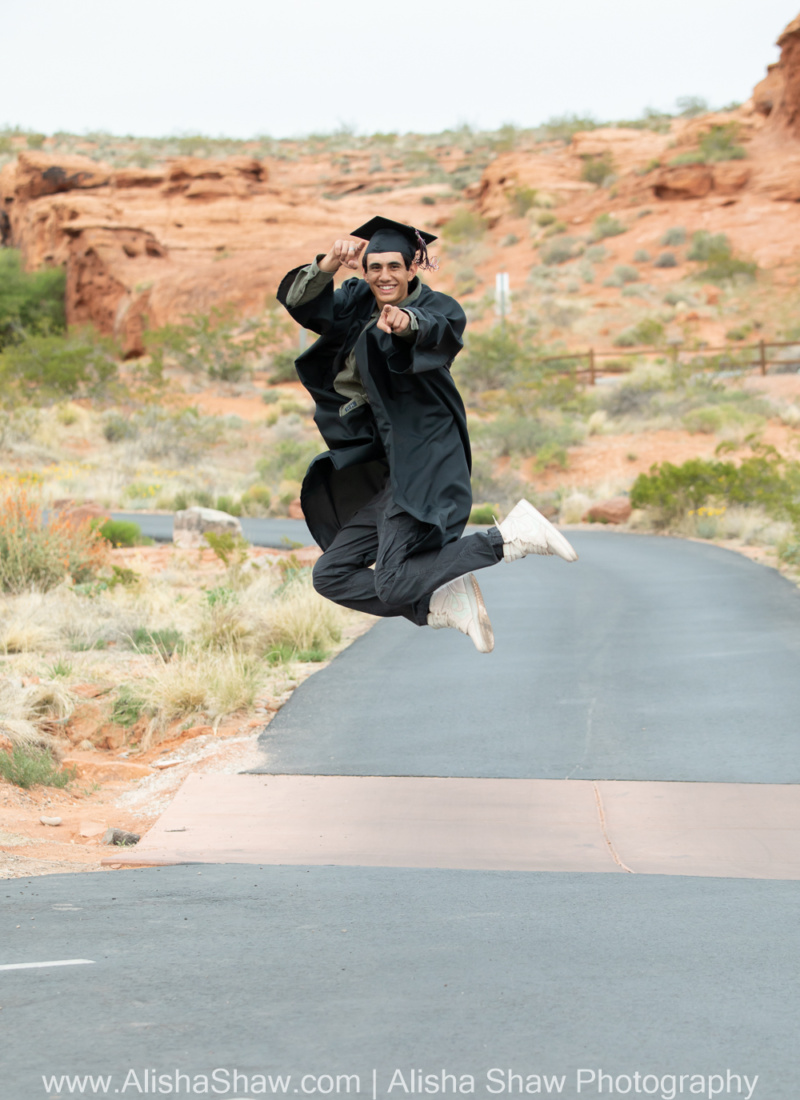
[[615, 510], [683, 181], [780, 91], [730, 176], [193, 523]]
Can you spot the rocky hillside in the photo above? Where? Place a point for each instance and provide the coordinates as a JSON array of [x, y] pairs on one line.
[[595, 228]]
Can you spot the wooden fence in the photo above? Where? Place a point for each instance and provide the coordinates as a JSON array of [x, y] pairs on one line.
[[761, 360]]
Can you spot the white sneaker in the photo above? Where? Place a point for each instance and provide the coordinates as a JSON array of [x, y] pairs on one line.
[[526, 531], [460, 604]]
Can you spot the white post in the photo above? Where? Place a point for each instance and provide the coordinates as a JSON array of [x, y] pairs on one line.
[[502, 296]]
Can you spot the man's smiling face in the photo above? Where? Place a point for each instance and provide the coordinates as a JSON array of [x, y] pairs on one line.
[[388, 277]]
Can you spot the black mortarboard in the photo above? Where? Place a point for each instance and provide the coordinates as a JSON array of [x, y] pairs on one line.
[[385, 235]]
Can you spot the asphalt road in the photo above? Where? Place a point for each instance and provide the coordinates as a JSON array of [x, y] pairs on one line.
[[260, 532], [327, 971], [650, 658]]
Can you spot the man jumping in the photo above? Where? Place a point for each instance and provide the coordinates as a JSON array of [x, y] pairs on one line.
[[393, 490]]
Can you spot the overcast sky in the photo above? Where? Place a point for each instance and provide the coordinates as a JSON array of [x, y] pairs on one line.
[[246, 67]]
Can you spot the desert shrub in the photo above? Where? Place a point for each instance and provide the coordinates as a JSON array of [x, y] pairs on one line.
[[560, 250], [30, 302], [641, 256], [165, 641], [741, 332], [555, 228], [665, 259], [35, 554], [289, 459], [128, 706], [626, 274], [634, 396], [508, 240], [675, 235], [596, 253], [545, 218], [647, 331], [32, 766], [464, 225], [182, 435], [523, 436], [606, 225], [716, 418], [564, 127], [727, 268], [764, 479], [281, 366], [494, 359], [708, 246], [522, 199], [228, 505], [121, 532], [720, 143], [42, 368], [217, 344], [116, 428], [256, 500], [596, 169], [483, 514]]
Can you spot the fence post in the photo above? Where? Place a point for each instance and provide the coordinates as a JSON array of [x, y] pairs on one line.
[[591, 367], [762, 351]]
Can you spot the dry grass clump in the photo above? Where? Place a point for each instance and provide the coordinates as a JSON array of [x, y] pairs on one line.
[[22, 707], [35, 554]]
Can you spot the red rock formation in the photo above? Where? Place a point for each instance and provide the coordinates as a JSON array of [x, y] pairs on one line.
[[778, 95], [147, 247]]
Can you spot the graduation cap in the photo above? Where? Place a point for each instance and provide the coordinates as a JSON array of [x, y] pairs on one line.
[[385, 235]]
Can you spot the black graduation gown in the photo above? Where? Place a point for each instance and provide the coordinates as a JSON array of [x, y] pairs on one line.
[[415, 426]]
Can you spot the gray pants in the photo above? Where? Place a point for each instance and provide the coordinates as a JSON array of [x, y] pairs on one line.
[[402, 582]]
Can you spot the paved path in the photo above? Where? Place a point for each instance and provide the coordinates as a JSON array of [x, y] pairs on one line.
[[650, 660], [277, 533]]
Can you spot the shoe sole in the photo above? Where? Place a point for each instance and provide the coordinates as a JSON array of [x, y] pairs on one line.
[[556, 542], [484, 642]]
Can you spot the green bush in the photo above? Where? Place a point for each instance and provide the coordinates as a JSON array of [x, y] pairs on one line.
[[288, 460], [30, 302], [494, 359], [41, 368], [522, 199], [715, 418], [117, 428], [559, 250], [665, 259], [217, 344], [229, 505], [128, 705], [465, 225], [675, 235], [523, 436], [720, 143], [764, 479], [727, 268], [597, 169], [606, 225], [626, 274], [256, 500], [281, 366], [483, 514], [545, 218], [641, 256], [32, 766], [165, 641], [121, 532], [708, 246]]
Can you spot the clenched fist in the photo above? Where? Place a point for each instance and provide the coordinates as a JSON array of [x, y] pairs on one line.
[[393, 320], [345, 252]]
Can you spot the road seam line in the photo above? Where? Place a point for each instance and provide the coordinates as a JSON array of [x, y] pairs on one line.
[[601, 814], [57, 962]]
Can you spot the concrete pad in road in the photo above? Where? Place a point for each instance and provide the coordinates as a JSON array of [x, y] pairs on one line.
[[710, 829]]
